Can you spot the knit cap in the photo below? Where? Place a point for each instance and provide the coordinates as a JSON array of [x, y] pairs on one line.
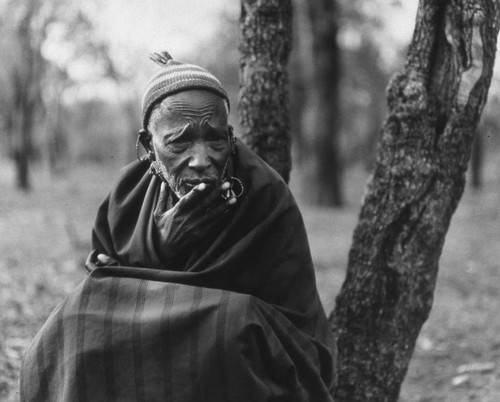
[[175, 76]]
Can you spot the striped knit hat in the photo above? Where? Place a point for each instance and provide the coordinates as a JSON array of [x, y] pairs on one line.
[[175, 76]]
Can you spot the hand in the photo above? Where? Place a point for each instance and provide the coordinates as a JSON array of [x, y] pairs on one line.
[[180, 229]]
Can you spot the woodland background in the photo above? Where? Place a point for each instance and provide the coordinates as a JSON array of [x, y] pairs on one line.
[[72, 73]]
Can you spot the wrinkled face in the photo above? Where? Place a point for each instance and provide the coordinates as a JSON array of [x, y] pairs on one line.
[[190, 138]]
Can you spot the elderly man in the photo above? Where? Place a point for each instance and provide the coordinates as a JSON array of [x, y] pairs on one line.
[[201, 285]]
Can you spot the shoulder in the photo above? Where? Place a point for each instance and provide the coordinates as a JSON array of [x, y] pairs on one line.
[[266, 193], [134, 170], [254, 168], [131, 176]]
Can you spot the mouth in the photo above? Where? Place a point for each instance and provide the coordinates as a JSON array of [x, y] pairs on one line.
[[193, 182]]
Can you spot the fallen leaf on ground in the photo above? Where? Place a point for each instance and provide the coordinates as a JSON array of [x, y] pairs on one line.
[[476, 367]]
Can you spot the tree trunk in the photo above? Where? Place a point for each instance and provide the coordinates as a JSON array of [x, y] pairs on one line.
[[27, 93], [298, 84], [23, 151], [265, 43], [419, 176], [323, 177]]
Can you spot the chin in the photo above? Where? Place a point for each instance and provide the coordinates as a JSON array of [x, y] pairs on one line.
[[182, 191]]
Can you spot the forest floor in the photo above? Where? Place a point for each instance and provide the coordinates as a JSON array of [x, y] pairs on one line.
[[45, 237]]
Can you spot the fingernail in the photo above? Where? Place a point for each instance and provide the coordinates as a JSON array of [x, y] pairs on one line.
[[103, 258], [225, 185], [202, 186]]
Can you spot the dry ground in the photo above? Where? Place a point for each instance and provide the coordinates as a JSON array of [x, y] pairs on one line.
[[44, 238]]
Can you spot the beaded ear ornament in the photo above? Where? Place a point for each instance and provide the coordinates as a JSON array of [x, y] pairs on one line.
[[158, 169]]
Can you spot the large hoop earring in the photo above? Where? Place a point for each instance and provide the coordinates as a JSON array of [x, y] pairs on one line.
[[235, 190]]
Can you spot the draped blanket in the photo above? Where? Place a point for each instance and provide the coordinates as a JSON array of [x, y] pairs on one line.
[[240, 320]]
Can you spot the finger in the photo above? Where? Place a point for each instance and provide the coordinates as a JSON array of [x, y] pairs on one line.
[[213, 199], [194, 197], [218, 211], [203, 197], [103, 258]]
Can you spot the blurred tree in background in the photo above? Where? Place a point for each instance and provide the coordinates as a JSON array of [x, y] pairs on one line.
[[31, 102], [320, 142], [339, 70], [370, 57]]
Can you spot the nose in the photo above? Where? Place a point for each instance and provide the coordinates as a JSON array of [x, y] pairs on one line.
[[200, 159]]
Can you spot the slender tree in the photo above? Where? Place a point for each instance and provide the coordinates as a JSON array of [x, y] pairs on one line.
[[324, 178], [434, 107], [26, 81], [265, 43]]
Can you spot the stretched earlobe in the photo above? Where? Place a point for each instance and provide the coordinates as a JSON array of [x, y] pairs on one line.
[[232, 138], [144, 137]]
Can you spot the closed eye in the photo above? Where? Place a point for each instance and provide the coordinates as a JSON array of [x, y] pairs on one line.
[[178, 145], [218, 145], [216, 141], [215, 135], [179, 140]]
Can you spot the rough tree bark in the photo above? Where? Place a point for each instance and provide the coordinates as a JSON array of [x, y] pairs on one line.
[[265, 43], [419, 176], [324, 174]]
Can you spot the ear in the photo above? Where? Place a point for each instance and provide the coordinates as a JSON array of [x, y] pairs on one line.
[[145, 138]]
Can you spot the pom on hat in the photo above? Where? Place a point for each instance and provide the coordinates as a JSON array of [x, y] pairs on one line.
[[175, 76], [162, 58]]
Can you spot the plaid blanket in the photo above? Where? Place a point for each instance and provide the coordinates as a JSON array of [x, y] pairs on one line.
[[119, 338]]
